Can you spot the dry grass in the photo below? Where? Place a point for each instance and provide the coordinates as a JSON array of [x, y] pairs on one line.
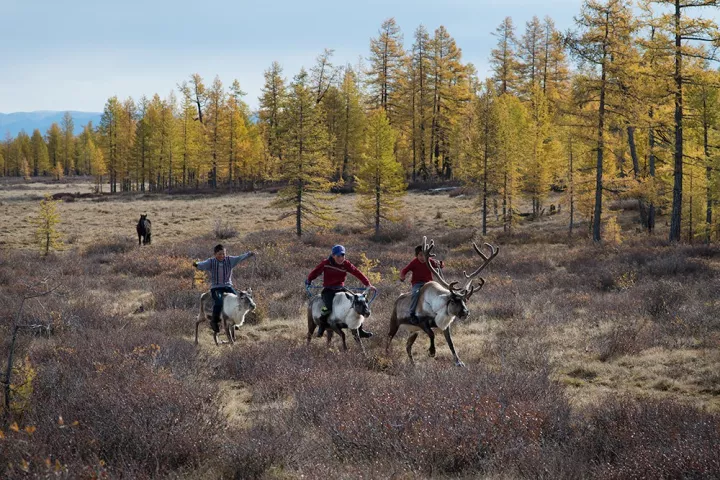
[[571, 340]]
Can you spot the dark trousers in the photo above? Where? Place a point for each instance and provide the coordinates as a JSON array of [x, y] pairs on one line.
[[415, 296], [217, 296], [328, 295]]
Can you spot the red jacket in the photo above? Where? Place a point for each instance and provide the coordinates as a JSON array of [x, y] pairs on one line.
[[334, 274], [421, 273]]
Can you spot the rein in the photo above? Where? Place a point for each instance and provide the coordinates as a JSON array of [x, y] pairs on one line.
[[309, 291]]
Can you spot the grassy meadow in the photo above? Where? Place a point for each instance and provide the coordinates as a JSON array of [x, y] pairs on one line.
[[583, 361]]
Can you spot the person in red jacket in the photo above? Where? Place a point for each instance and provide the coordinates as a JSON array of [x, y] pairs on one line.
[[334, 270], [421, 274]]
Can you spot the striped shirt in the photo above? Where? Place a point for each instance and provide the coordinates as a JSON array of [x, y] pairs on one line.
[[221, 271]]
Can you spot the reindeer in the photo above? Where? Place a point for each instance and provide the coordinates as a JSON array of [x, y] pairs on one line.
[[235, 307], [349, 311], [439, 304], [144, 230]]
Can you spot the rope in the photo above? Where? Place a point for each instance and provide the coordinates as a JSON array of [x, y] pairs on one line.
[[252, 271]]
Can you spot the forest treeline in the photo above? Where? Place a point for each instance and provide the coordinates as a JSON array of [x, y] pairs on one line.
[[624, 105]]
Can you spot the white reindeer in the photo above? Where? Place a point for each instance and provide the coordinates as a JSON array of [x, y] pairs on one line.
[[235, 307], [349, 311], [438, 305]]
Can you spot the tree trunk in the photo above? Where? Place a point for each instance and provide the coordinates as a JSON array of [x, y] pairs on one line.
[[676, 215], [597, 213]]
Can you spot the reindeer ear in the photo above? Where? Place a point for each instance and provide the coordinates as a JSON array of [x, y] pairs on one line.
[[349, 295], [249, 291]]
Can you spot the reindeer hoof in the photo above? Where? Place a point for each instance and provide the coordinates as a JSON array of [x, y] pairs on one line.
[[459, 364], [431, 352]]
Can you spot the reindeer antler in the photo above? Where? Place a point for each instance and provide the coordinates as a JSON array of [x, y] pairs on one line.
[[427, 253], [486, 260]]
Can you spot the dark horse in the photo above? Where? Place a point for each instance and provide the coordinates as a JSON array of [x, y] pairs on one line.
[[144, 230]]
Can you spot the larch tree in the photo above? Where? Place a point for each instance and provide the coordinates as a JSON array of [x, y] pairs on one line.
[[215, 123], [503, 58], [605, 32], [351, 124], [67, 144], [385, 71], [109, 126], [190, 137], [420, 101], [450, 95], [239, 142], [512, 151], [531, 52], [306, 168], [380, 178], [687, 29], [40, 157], [272, 100], [47, 235], [704, 105]]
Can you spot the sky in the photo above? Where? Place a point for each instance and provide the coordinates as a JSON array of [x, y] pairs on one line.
[[74, 55]]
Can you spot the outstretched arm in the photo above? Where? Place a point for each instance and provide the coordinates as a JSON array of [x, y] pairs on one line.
[[235, 260], [204, 265], [358, 274], [404, 271]]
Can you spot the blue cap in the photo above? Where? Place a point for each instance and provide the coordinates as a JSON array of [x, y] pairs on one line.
[[338, 250]]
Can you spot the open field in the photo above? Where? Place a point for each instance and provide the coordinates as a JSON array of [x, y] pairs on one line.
[[583, 361]]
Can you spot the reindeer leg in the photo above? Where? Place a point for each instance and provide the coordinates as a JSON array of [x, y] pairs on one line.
[[449, 341], [356, 335], [408, 346], [201, 318], [342, 337], [311, 325], [425, 325], [329, 338], [232, 333], [230, 336], [394, 326]]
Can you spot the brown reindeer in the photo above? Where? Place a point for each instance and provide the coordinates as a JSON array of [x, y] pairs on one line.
[[439, 304]]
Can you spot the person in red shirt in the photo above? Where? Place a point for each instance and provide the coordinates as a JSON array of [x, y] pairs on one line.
[[421, 274], [334, 270]]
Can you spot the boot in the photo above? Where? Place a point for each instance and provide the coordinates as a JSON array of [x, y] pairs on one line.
[[363, 333], [324, 315], [414, 320]]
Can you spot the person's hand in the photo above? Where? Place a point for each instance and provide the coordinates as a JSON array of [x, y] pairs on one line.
[[402, 279], [372, 287], [442, 264], [308, 283]]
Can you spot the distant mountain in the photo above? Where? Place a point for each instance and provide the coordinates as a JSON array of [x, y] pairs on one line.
[[42, 120]]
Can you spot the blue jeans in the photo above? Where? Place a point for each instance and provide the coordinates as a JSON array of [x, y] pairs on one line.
[[415, 296], [217, 296]]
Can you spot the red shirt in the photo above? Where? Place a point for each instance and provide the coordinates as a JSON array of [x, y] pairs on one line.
[[421, 273], [334, 274]]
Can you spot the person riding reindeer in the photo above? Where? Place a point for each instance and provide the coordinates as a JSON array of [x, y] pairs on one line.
[[334, 270], [421, 274]]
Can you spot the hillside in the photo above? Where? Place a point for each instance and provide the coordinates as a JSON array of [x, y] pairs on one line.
[[14, 123]]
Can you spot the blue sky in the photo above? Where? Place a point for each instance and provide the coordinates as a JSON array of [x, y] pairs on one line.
[[74, 55]]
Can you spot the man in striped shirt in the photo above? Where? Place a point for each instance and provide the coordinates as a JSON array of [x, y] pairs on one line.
[[220, 267]]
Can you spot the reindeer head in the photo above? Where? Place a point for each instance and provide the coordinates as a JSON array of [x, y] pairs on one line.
[[245, 300], [457, 306], [359, 303]]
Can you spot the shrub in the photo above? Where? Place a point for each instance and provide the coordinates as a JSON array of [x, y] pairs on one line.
[[223, 230]]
